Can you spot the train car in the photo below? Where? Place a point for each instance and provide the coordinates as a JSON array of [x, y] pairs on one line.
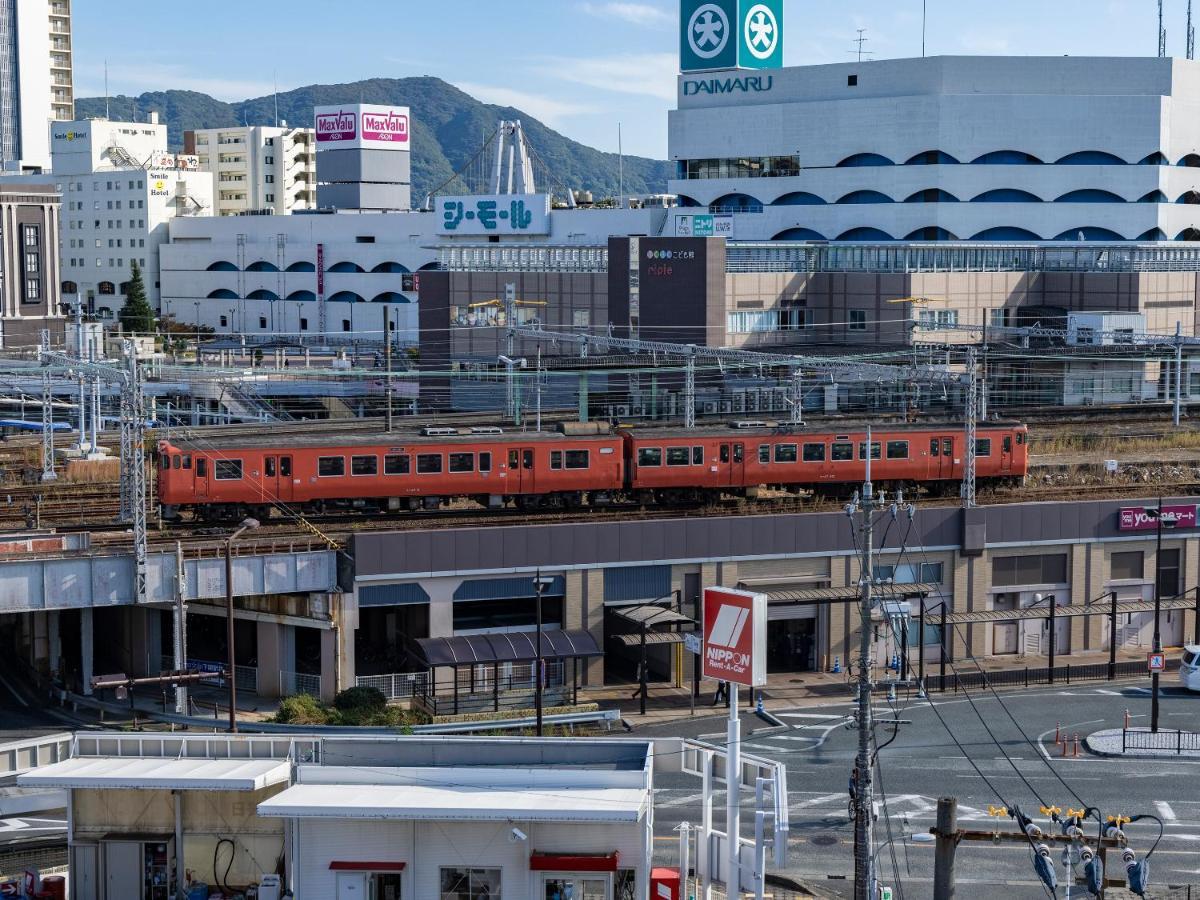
[[682, 465], [223, 480]]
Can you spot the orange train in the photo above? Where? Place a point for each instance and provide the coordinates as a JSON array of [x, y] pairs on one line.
[[222, 480]]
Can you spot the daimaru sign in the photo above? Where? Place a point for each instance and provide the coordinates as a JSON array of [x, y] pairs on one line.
[[728, 34], [735, 636]]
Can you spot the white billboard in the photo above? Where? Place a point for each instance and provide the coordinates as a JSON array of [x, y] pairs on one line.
[[482, 214], [357, 126]]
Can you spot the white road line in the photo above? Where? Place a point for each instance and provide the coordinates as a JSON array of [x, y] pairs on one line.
[[1137, 690], [828, 798], [1164, 810], [825, 717], [680, 801]]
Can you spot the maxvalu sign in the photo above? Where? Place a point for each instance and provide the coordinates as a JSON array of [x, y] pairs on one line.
[[728, 34]]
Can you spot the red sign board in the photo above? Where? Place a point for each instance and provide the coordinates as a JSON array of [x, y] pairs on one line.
[[1142, 518], [1156, 662], [735, 636]]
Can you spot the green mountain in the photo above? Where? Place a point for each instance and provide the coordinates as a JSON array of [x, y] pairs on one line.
[[449, 127]]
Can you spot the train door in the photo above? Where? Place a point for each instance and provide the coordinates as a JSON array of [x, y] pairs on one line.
[[1006, 454], [941, 458], [277, 478], [202, 475], [521, 478], [733, 465]]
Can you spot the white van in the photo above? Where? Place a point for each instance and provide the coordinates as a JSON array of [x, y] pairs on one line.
[[1189, 668]]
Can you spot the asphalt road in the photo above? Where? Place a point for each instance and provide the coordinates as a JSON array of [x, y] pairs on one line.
[[924, 763], [19, 718]]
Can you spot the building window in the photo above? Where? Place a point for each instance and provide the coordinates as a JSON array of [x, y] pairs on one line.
[[470, 884], [851, 81], [858, 320], [262, 321], [938, 318], [923, 573], [224, 321], [1128, 566], [1168, 573], [1011, 571], [582, 318]]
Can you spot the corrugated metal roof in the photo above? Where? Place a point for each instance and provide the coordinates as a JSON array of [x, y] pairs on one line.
[[517, 646], [636, 583], [652, 638], [1061, 612]]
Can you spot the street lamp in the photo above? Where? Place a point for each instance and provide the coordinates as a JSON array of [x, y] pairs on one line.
[[231, 676], [1161, 520], [540, 584]]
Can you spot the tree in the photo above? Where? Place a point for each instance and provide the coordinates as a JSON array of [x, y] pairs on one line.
[[136, 316]]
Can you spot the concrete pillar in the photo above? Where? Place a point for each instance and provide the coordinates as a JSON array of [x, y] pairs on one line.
[[593, 621], [1079, 596], [270, 658], [39, 648], [345, 608], [54, 642], [86, 639], [839, 613], [441, 605], [980, 580], [153, 631], [573, 601], [330, 670]]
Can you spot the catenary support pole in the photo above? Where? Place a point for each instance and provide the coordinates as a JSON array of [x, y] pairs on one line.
[[387, 356], [947, 844], [179, 630], [1178, 414]]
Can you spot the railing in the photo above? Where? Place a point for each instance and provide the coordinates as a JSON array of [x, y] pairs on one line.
[[486, 688], [1170, 741], [397, 686], [1068, 674], [245, 677], [292, 683]]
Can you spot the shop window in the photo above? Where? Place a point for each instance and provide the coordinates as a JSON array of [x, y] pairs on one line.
[[470, 884]]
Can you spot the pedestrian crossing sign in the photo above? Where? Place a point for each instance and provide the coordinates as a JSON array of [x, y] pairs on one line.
[[1157, 662]]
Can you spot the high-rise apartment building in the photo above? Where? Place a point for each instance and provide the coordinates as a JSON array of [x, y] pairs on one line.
[[259, 169], [36, 83]]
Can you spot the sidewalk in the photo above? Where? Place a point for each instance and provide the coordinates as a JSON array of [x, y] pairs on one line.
[[789, 691], [1169, 744]]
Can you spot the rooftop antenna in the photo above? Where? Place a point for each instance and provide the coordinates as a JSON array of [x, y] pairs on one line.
[[860, 40], [1162, 32], [1191, 34]]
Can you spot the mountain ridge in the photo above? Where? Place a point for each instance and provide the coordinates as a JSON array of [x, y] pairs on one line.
[[448, 128]]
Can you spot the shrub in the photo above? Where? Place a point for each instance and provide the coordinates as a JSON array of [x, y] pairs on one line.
[[363, 700], [302, 709]]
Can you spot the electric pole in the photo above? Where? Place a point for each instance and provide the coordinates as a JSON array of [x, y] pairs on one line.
[[864, 851]]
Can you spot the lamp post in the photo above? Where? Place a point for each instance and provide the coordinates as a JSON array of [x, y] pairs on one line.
[[1161, 520], [540, 584], [247, 525]]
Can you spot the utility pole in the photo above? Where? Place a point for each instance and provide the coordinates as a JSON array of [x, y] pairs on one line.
[[968, 482], [1154, 676], [947, 844], [864, 851], [387, 358]]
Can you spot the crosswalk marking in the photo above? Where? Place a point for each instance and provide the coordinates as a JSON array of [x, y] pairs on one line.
[[1165, 811]]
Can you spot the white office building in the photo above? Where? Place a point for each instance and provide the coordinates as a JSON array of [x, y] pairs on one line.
[[944, 148], [259, 169], [36, 80]]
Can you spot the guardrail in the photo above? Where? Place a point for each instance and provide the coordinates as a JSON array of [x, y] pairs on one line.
[[1025, 677], [606, 717], [1169, 741]]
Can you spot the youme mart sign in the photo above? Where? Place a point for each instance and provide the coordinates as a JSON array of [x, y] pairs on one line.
[[730, 34]]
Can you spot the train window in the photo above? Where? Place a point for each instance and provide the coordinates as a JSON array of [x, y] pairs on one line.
[[724, 453], [652, 456], [581, 459], [201, 467], [1020, 439], [897, 450], [739, 453], [786, 453], [331, 466], [678, 456], [527, 459], [397, 464], [764, 453], [814, 453], [947, 447], [187, 459], [429, 463], [556, 459], [934, 444], [843, 453], [876, 450], [485, 462], [228, 469], [166, 462], [983, 447], [285, 466], [514, 459], [269, 467], [364, 465], [1007, 445], [176, 462], [461, 463], [697, 456]]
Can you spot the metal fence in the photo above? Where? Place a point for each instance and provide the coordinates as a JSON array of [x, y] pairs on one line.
[[397, 686], [494, 687], [292, 683], [1025, 677], [1165, 740], [245, 677]]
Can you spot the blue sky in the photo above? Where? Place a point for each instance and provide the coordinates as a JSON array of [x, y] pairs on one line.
[[581, 66]]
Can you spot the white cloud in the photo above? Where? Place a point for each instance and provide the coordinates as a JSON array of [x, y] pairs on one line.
[[646, 74], [546, 109], [634, 13]]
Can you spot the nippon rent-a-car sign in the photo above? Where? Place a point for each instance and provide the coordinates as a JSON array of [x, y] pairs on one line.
[[735, 636]]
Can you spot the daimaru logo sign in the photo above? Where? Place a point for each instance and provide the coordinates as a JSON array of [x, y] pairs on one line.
[[727, 34], [735, 636]]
